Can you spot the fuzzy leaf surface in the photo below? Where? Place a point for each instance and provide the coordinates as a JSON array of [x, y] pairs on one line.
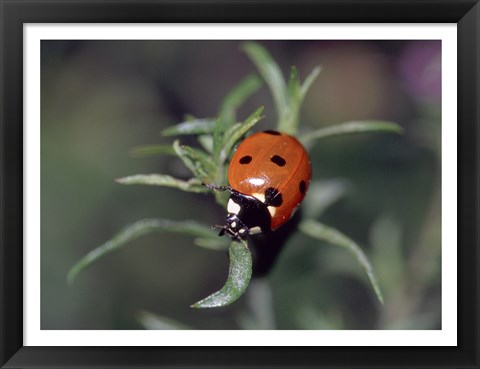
[[236, 97], [151, 150], [322, 232], [237, 131], [271, 74], [156, 322], [191, 127], [199, 163], [239, 274], [134, 231], [165, 180], [352, 128]]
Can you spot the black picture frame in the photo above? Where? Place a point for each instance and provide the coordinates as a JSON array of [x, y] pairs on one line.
[[15, 13]]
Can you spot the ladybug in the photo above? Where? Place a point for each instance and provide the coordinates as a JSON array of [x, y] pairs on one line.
[[269, 176]]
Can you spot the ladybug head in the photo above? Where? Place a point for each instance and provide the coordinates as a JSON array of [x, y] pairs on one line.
[[246, 215], [234, 228]]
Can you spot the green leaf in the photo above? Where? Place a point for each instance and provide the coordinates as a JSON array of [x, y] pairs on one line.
[[321, 195], [235, 132], [207, 142], [236, 97], [218, 137], [151, 150], [191, 127], [287, 100], [152, 321], [294, 88], [296, 94], [134, 231], [218, 243], [271, 74], [351, 128], [239, 275], [166, 180], [309, 80], [322, 232], [199, 162]]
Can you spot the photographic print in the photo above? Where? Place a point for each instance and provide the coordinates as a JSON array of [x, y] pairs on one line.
[[268, 184], [241, 185]]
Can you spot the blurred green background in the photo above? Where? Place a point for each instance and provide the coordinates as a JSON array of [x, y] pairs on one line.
[[101, 98]]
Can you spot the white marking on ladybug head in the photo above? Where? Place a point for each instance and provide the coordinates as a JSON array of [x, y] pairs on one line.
[[255, 230], [272, 210], [259, 196], [242, 231], [233, 224], [233, 207]]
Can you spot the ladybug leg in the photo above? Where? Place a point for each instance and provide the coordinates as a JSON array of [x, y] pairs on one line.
[[217, 188], [224, 229], [222, 232]]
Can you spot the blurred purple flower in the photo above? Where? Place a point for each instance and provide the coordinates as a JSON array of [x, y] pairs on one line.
[[420, 66]]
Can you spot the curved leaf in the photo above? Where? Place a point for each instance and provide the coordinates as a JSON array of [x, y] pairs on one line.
[[199, 162], [309, 80], [207, 142], [239, 274], [351, 128], [294, 88], [152, 321], [151, 150], [134, 231], [322, 232], [288, 122], [236, 97], [233, 134], [217, 243], [230, 104], [271, 74], [191, 127], [163, 180]]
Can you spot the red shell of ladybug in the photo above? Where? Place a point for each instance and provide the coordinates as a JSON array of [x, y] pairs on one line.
[[274, 169]]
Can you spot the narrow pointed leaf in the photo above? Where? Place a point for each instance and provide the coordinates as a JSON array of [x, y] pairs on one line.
[[152, 321], [165, 180], [288, 122], [191, 127], [218, 137], [322, 232], [237, 131], [218, 243], [134, 231], [309, 80], [240, 272], [271, 74], [197, 161], [236, 97], [294, 88], [151, 150], [207, 142], [352, 128]]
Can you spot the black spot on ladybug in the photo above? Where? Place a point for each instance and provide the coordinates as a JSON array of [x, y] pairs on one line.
[[273, 197], [246, 159], [302, 186], [278, 160], [272, 132]]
